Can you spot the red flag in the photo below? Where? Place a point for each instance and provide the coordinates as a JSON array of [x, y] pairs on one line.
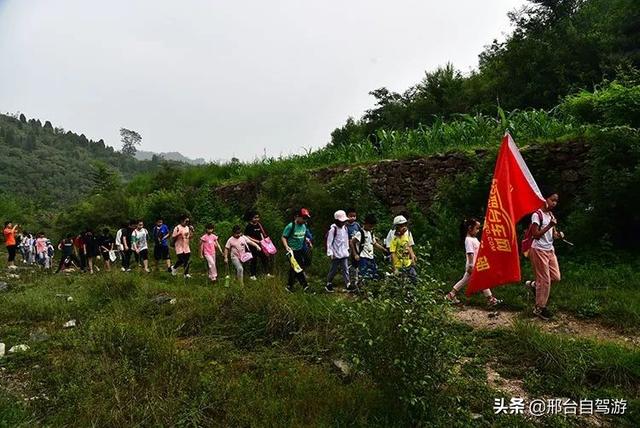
[[513, 194]]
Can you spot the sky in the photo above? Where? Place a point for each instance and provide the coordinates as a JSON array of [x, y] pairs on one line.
[[220, 79]]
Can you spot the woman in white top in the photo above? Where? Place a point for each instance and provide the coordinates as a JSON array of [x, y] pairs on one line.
[[542, 254], [469, 231]]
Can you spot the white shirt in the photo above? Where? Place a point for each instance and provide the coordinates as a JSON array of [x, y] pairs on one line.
[[119, 240], [471, 246], [139, 237], [367, 244], [338, 242], [545, 242]]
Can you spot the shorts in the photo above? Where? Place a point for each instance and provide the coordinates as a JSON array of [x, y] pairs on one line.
[[161, 252], [144, 254]]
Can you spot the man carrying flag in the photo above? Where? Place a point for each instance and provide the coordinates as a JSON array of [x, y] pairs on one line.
[[513, 194]]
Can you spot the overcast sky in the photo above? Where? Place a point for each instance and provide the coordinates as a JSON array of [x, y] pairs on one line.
[[217, 79]]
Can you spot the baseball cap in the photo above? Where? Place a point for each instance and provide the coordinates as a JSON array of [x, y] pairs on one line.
[[400, 219], [305, 213], [340, 215]]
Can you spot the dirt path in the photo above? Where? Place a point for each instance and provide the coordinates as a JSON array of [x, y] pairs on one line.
[[561, 324]]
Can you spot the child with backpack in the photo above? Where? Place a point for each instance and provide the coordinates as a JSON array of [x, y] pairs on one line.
[[338, 251], [208, 245], [542, 254], [468, 232], [237, 247], [295, 241], [161, 237], [403, 258], [363, 243]]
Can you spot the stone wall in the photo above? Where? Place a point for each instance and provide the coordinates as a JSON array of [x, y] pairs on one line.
[[398, 182]]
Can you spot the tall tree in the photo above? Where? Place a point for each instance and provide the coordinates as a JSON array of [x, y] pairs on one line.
[[130, 139]]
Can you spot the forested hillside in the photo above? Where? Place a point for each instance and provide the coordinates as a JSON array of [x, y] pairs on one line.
[[51, 166]]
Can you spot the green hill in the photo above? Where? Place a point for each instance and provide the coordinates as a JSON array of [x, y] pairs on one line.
[[51, 166]]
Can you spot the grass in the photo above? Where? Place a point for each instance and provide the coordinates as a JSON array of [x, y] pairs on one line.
[[256, 356], [597, 287]]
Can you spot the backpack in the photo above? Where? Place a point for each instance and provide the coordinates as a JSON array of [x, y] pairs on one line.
[[362, 241], [527, 241]]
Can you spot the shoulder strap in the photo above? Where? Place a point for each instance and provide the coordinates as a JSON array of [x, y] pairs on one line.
[[264, 234]]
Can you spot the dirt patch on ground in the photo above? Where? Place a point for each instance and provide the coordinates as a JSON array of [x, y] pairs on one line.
[[561, 324]]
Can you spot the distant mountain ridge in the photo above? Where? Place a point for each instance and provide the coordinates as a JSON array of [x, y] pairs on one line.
[[170, 156]]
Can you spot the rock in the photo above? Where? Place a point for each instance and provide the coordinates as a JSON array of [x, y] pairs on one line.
[[69, 324], [38, 336], [65, 297], [18, 348], [161, 299], [13, 276], [173, 301], [343, 366], [2, 349], [4, 286], [476, 416]]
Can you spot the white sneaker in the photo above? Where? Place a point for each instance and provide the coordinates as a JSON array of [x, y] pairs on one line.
[[187, 276], [147, 271], [123, 269], [174, 271], [253, 278], [269, 275]]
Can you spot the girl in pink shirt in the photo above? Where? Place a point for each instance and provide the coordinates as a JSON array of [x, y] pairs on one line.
[[238, 246], [208, 244], [181, 235]]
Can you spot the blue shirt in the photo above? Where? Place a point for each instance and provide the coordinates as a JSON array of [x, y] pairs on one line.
[[352, 228], [159, 233]]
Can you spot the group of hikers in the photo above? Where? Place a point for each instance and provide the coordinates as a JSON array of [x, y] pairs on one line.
[[349, 245]]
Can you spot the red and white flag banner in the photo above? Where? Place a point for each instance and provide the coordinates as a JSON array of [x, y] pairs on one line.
[[513, 194]]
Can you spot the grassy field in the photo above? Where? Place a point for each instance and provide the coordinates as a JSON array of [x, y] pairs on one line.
[[257, 356]]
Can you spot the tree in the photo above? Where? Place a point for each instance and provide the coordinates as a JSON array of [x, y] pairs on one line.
[[130, 139]]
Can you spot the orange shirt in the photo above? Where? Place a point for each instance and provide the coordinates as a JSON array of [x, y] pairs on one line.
[[9, 236]]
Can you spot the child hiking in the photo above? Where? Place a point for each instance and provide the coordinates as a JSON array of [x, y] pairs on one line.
[[403, 258], [181, 235], [140, 244], [161, 237], [237, 247], [542, 254], [353, 227], [468, 232], [363, 243], [208, 246], [338, 251], [255, 232], [9, 233], [294, 238]]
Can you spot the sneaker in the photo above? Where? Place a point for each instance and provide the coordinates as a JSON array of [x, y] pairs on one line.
[[329, 288], [147, 270], [253, 278], [542, 313], [306, 288], [128, 270], [187, 276], [174, 271], [289, 289], [123, 269], [530, 285], [351, 288], [492, 302], [452, 298], [269, 275]]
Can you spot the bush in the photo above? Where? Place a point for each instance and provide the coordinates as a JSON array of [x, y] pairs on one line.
[[401, 340], [614, 104]]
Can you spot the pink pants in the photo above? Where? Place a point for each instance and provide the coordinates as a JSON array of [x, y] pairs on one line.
[[545, 266], [211, 261]]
